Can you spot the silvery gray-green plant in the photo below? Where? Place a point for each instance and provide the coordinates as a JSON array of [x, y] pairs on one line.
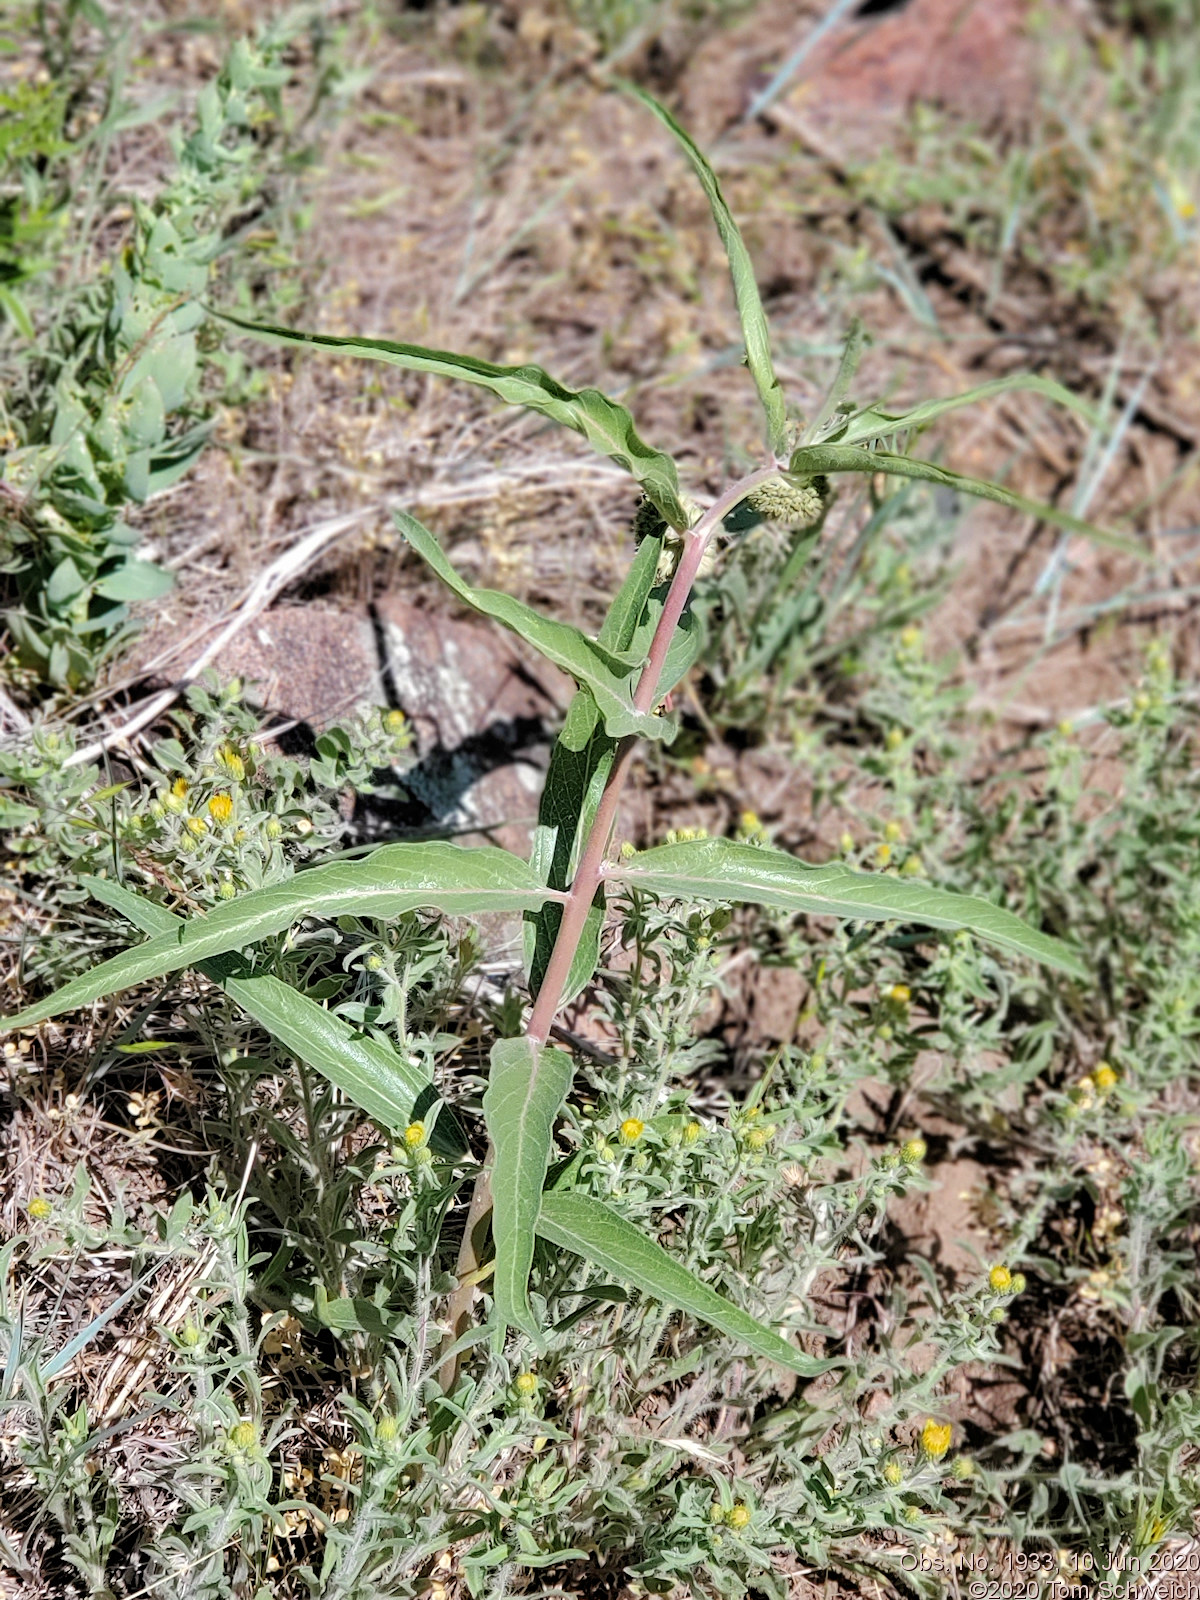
[[118, 420], [648, 642]]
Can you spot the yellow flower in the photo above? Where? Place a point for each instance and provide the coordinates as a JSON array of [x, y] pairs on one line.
[[748, 822], [893, 1474], [526, 1383], [910, 637], [738, 1516], [179, 788], [899, 994], [243, 1436], [1000, 1279], [883, 854], [232, 762], [935, 1438], [913, 1152], [632, 1130], [846, 842], [692, 1132], [39, 1208], [414, 1135], [758, 1138], [894, 738], [394, 721], [1104, 1077], [197, 825]]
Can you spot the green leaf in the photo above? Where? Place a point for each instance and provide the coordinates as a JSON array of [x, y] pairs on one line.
[[136, 580], [526, 1089], [745, 289], [593, 1230], [369, 1072], [393, 879], [874, 423], [606, 426], [606, 674], [812, 459], [851, 356], [721, 869]]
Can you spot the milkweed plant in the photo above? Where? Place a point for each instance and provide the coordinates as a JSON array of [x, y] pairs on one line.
[[624, 675]]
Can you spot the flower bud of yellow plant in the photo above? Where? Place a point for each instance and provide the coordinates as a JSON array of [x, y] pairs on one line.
[[738, 1516], [526, 1384], [1018, 1283], [846, 842], [190, 1335], [894, 738], [911, 637], [39, 1208], [394, 721], [631, 1130], [1105, 1077], [963, 1469], [387, 1430], [197, 826], [893, 1474], [232, 762], [179, 788], [899, 994], [893, 832], [913, 867], [414, 1135], [883, 854], [226, 889], [274, 828], [243, 1436], [913, 1152], [935, 1438], [757, 1139], [374, 962], [1000, 1279], [692, 1132]]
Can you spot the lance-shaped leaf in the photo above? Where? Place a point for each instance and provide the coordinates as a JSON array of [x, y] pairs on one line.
[[812, 459], [606, 674], [378, 1079], [526, 1089], [393, 879], [721, 869], [605, 424], [745, 289], [593, 1230], [873, 422]]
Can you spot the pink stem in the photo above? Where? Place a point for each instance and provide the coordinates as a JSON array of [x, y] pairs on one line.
[[588, 873]]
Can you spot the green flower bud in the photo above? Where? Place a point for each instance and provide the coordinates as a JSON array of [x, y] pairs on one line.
[[783, 500]]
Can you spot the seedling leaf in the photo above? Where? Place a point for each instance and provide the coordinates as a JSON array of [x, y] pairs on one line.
[[393, 879], [593, 1230], [745, 288], [375, 1077], [812, 459], [721, 869], [526, 1090], [607, 675], [605, 424]]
